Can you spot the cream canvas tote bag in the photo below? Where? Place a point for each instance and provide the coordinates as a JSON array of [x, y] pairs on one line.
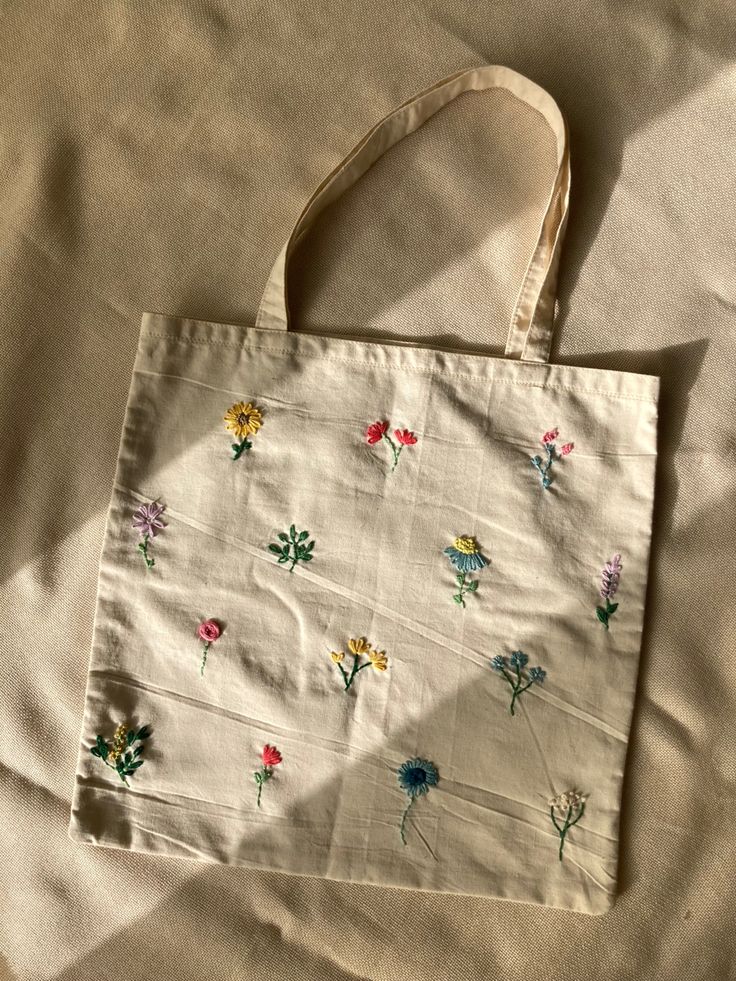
[[373, 610]]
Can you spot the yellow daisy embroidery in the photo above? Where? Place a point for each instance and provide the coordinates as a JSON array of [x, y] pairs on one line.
[[243, 420]]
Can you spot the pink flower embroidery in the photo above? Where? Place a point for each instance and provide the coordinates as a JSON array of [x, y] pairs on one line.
[[208, 631], [376, 431], [379, 430], [544, 466], [405, 437], [271, 758]]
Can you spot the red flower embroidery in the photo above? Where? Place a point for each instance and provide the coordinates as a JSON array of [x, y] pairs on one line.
[[271, 756], [551, 436], [376, 431], [567, 448], [405, 437]]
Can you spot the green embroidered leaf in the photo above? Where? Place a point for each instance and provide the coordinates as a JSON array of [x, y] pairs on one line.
[[602, 615], [95, 751], [130, 737], [473, 586], [132, 767], [141, 547], [144, 733], [128, 758], [292, 532], [137, 751], [283, 537], [611, 607], [284, 558], [307, 558], [458, 598], [460, 579], [302, 536], [276, 549], [102, 747], [310, 546]]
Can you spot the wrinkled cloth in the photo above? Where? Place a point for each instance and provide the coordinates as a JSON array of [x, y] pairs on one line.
[[152, 162]]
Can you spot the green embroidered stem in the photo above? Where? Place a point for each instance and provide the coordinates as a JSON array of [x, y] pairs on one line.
[[544, 468], [604, 614], [396, 452], [261, 776], [204, 658], [562, 831], [403, 819], [143, 547], [465, 586], [356, 668], [239, 448]]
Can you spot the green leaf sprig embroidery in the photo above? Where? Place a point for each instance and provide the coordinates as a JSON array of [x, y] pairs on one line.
[[294, 547], [123, 754]]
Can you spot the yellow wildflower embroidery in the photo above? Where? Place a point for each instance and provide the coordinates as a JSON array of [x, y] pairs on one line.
[[359, 646], [243, 419]]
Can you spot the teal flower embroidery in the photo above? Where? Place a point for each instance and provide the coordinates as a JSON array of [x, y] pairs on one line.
[[121, 754], [464, 554], [295, 549], [518, 681], [415, 778], [544, 466], [569, 808]]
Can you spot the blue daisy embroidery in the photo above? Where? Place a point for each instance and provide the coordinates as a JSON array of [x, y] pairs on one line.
[[415, 778], [465, 555]]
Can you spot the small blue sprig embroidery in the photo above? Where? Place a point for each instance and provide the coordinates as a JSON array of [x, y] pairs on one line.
[[544, 466], [518, 681], [415, 778], [569, 808]]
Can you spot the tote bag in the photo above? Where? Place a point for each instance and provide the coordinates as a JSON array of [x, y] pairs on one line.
[[373, 610]]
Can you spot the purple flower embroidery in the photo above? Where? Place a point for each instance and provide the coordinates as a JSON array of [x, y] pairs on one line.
[[147, 522], [610, 578]]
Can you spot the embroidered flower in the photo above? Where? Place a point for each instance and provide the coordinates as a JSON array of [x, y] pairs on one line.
[[569, 807], [405, 437], [122, 755], [415, 778], [208, 631], [295, 550], [270, 757], [243, 420], [544, 467], [610, 578], [515, 677], [358, 647], [379, 430], [147, 521], [375, 432], [464, 554]]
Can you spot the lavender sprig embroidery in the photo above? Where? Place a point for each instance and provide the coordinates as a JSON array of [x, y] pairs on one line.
[[544, 466], [610, 578], [147, 521]]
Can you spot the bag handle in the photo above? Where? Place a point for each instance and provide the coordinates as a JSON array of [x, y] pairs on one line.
[[530, 333]]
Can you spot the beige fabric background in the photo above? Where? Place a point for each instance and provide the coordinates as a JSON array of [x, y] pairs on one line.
[[152, 160]]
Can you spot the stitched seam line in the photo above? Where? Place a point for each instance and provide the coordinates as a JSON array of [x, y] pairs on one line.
[[423, 371]]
